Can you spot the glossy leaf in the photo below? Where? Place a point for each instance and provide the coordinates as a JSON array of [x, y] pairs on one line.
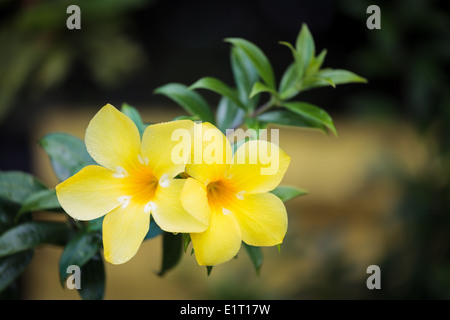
[[172, 250], [261, 87], [298, 61], [13, 266], [228, 115], [80, 249], [245, 75], [289, 84], [289, 118], [339, 76], [93, 279], [29, 235], [189, 100], [68, 154], [8, 211], [316, 63], [41, 200], [219, 87], [16, 186], [256, 256], [331, 77], [133, 114], [286, 193], [311, 112], [258, 59], [305, 45]]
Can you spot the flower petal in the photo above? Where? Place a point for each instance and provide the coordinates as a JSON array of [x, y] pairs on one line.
[[90, 193], [163, 150], [262, 219], [220, 242], [112, 139], [258, 166], [194, 200], [124, 229], [211, 153], [168, 212]]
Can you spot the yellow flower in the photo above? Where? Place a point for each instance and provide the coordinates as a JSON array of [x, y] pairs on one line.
[[132, 181], [233, 191]]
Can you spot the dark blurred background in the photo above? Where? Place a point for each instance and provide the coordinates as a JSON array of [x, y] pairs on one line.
[[126, 49]]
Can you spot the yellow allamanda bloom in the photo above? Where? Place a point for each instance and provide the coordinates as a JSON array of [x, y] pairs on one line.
[[233, 192], [134, 179]]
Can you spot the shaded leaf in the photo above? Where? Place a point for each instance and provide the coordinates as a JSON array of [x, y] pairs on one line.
[[8, 211], [189, 100], [93, 279], [172, 250], [154, 230], [80, 249], [41, 200], [68, 154], [16, 186], [256, 256], [29, 235], [12, 266]]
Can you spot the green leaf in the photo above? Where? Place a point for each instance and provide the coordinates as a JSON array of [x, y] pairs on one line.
[[298, 61], [311, 112], [93, 279], [339, 76], [258, 59], [154, 230], [219, 87], [289, 84], [305, 45], [16, 186], [12, 266], [245, 75], [228, 115], [256, 256], [8, 211], [286, 193], [289, 118], [29, 235], [208, 270], [316, 63], [186, 241], [331, 77], [80, 249], [172, 250], [261, 87], [67, 153], [133, 114], [41, 200], [190, 100]]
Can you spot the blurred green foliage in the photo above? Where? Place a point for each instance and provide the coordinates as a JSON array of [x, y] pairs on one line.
[[39, 52]]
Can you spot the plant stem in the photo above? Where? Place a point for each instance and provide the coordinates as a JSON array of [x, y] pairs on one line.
[[269, 104]]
